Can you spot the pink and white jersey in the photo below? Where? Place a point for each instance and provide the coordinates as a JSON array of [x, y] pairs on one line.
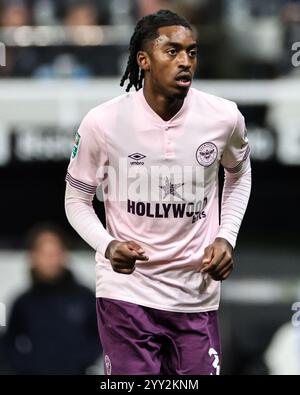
[[160, 187]]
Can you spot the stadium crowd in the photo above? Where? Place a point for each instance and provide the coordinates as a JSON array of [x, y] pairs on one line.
[[251, 37]]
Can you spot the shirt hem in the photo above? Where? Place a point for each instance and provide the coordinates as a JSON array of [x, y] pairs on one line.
[[159, 307]]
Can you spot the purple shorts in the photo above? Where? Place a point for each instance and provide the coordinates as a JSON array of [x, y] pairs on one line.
[[139, 340]]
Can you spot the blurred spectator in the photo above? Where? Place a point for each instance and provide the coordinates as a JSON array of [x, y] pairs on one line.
[[70, 62], [15, 14], [44, 11], [80, 61], [255, 38], [145, 7], [81, 14], [52, 327], [291, 11]]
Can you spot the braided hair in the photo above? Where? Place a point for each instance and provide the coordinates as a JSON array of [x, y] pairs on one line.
[[146, 30]]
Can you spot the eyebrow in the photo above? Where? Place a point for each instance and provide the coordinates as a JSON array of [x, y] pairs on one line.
[[178, 45]]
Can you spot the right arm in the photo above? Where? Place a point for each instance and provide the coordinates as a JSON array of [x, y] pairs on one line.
[[81, 215], [88, 156]]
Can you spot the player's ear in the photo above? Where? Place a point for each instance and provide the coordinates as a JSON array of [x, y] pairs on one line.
[[143, 60]]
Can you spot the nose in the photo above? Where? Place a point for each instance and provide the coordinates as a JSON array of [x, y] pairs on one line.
[[184, 60]]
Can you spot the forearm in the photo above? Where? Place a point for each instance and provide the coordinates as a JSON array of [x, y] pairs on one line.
[[236, 193], [82, 217]]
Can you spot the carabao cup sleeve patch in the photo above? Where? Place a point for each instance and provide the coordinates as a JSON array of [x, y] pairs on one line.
[[76, 145]]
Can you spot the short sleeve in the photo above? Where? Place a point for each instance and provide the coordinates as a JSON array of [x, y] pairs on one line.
[[88, 155], [237, 149]]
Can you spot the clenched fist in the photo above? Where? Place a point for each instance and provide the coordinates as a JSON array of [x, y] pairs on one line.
[[218, 260], [123, 255]]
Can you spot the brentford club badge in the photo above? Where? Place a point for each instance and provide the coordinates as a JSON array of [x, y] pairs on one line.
[[207, 154]]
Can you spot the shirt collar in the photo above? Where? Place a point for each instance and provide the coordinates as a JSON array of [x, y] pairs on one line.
[[177, 118]]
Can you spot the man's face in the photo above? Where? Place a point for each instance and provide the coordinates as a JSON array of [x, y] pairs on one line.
[[172, 61], [48, 256]]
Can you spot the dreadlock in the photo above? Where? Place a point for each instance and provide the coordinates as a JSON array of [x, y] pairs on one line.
[[145, 30]]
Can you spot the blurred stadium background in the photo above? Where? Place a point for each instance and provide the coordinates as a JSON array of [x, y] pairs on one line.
[[65, 56]]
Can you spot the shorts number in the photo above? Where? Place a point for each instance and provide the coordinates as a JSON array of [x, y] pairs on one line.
[[213, 353]]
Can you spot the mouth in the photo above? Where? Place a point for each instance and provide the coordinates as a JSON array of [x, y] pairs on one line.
[[184, 80]]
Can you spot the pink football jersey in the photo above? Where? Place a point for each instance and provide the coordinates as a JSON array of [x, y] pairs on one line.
[[159, 181]]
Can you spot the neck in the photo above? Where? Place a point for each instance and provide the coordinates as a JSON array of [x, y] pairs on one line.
[[165, 107]]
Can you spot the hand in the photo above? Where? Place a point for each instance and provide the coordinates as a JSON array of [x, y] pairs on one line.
[[217, 260], [122, 255]]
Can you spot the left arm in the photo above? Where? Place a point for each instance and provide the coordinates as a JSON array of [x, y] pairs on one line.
[[218, 257]]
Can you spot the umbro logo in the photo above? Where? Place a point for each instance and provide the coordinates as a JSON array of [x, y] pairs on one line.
[[137, 158]]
